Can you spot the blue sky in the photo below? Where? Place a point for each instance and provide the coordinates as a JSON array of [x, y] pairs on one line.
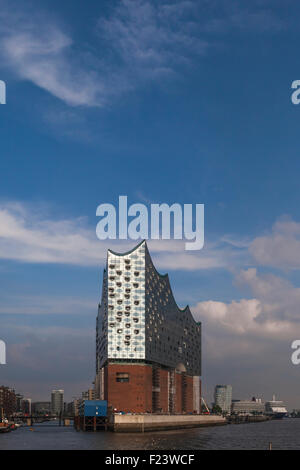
[[182, 101]]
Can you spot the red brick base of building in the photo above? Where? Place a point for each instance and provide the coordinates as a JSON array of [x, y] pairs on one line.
[[142, 388]]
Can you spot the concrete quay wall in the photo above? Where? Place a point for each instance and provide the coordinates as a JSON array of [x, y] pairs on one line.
[[151, 422]]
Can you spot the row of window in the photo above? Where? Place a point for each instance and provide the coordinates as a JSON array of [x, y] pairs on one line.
[[127, 290], [120, 330], [122, 377], [127, 307], [119, 273], [112, 324]]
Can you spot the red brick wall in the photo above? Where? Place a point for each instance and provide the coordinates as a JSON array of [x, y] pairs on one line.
[[134, 396]]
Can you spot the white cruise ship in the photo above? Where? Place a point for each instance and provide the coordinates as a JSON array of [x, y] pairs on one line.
[[275, 409]]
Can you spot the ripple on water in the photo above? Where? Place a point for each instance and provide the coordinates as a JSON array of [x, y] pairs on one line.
[[284, 434]]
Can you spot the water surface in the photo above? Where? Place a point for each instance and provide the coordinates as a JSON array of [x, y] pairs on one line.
[[284, 434]]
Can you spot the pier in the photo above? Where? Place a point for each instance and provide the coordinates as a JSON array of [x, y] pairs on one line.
[[152, 422]]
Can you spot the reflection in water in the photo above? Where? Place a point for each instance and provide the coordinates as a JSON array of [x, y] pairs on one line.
[[284, 434]]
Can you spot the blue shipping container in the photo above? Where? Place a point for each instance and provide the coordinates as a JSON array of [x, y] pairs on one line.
[[95, 408]]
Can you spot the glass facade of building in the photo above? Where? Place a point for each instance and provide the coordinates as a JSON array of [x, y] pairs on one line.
[[138, 318], [223, 397]]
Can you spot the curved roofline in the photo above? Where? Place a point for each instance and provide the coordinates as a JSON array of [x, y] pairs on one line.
[[165, 276], [127, 252]]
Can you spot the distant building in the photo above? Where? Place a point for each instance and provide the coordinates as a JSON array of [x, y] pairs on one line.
[[57, 401], [8, 402], [89, 394], [246, 407], [26, 406], [19, 399], [223, 397], [148, 351], [41, 407], [76, 407], [72, 407]]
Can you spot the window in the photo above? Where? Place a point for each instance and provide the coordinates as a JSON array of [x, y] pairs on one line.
[[122, 377], [119, 273]]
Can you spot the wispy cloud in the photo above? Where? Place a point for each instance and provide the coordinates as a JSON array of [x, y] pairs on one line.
[[150, 37], [28, 236], [36, 49], [47, 305], [137, 40], [141, 38]]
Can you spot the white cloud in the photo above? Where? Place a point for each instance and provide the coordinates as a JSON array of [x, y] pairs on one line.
[[272, 314], [280, 248], [134, 42], [143, 42], [37, 50], [27, 235], [247, 342], [46, 305]]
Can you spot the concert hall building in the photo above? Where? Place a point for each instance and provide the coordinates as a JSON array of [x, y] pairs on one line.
[[148, 350]]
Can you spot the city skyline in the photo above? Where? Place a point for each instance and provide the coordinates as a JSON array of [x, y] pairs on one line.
[[164, 102]]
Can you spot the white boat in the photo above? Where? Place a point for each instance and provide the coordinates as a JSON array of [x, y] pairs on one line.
[[275, 409]]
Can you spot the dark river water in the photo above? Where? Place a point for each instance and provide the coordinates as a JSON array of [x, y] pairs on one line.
[[284, 434]]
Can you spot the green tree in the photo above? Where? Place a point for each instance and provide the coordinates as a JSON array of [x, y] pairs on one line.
[[217, 409]]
